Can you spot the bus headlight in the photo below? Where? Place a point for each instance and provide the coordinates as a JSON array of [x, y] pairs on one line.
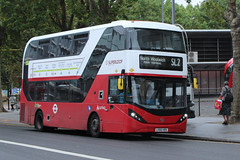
[[182, 118], [136, 116]]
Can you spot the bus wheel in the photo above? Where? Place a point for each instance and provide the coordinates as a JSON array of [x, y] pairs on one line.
[[94, 126], [38, 123]]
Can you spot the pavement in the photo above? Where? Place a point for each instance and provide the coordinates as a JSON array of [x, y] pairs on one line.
[[207, 127]]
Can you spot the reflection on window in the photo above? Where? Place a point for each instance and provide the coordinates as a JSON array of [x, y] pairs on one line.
[[65, 45], [75, 91], [52, 90], [43, 49], [118, 39], [56, 47], [174, 92], [179, 92], [38, 91], [115, 95], [31, 91], [79, 43], [62, 89], [169, 95], [158, 92], [32, 51]]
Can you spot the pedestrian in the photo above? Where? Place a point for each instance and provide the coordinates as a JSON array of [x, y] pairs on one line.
[[17, 106], [226, 103], [13, 101]]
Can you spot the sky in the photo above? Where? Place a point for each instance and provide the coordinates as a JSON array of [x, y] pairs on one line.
[[184, 3]]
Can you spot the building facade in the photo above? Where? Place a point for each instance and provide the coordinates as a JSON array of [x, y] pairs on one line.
[[209, 51]]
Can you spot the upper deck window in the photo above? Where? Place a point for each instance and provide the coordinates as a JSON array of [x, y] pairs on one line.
[[155, 40], [67, 45]]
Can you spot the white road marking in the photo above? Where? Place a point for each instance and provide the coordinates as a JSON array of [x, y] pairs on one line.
[[54, 150]]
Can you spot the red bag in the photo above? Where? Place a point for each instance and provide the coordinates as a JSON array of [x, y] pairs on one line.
[[218, 103]]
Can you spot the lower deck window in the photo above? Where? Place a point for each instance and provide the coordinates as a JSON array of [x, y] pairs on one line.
[[56, 91]]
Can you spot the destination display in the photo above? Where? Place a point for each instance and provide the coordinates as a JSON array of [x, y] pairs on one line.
[[161, 62]]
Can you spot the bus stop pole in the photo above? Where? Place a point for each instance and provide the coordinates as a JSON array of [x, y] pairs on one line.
[[199, 113]]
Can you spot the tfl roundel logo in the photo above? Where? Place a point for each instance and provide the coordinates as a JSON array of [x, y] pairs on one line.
[[55, 108]]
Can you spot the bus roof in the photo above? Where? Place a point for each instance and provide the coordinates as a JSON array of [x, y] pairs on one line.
[[124, 23]]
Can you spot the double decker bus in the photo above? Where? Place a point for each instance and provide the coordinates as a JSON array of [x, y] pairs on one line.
[[121, 77], [228, 72]]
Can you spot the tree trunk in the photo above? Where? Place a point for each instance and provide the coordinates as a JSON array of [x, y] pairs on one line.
[[2, 30], [235, 32], [234, 20], [1, 99]]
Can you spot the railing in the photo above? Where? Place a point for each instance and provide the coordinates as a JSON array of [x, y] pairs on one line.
[[207, 91]]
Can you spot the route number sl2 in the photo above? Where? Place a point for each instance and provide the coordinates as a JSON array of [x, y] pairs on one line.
[[175, 62]]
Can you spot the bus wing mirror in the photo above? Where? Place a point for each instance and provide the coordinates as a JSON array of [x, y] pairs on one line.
[[120, 83], [195, 83]]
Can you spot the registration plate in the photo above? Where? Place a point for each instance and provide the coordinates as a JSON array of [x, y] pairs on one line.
[[161, 129]]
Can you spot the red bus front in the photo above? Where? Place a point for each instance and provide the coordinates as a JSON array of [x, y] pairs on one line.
[[228, 72], [148, 104]]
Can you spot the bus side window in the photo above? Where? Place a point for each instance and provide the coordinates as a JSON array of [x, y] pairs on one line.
[[43, 49], [31, 52], [75, 91], [31, 90], [114, 94], [79, 43], [52, 91], [118, 38], [62, 90], [65, 45], [41, 91], [54, 47]]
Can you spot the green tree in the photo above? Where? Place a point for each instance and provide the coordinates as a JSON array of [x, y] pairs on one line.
[[105, 11], [20, 21], [144, 10], [213, 13], [190, 17]]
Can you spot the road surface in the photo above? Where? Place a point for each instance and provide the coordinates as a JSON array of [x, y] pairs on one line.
[[21, 142]]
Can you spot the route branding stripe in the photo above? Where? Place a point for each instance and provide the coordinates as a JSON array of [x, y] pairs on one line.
[[54, 150]]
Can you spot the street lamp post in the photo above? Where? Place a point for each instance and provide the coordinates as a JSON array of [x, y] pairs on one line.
[[173, 11], [162, 12]]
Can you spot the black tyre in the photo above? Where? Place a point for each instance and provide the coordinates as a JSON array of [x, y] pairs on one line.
[[94, 126], [38, 122]]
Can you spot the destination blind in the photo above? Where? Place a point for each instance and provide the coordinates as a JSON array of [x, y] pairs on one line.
[[161, 62]]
